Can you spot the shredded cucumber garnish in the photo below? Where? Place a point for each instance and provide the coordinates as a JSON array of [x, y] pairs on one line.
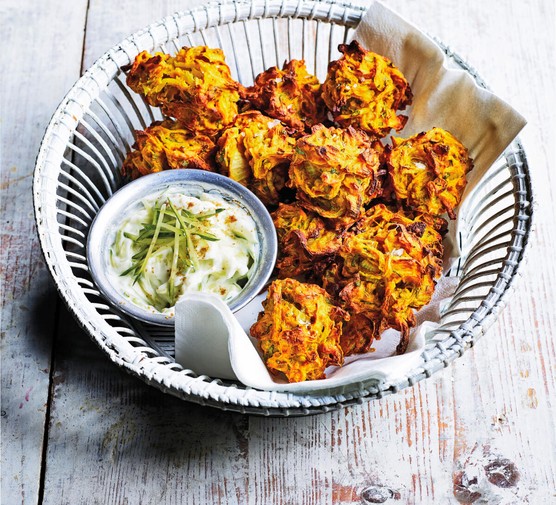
[[169, 228], [176, 243]]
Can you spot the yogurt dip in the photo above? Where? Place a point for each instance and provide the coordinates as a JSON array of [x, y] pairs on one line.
[[177, 243]]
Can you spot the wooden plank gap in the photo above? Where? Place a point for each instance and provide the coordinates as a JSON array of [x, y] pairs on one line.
[[44, 449], [82, 64], [56, 327]]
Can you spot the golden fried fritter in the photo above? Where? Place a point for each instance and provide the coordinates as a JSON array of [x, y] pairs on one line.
[[358, 334], [427, 171], [165, 145], [304, 241], [299, 330], [388, 268], [195, 86], [291, 95], [256, 151], [364, 90], [335, 173]]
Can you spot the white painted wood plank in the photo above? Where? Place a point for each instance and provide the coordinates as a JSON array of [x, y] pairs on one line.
[[114, 440], [39, 64]]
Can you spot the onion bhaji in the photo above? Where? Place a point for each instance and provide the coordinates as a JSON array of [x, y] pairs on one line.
[[358, 334], [335, 172], [291, 95], [427, 171], [365, 90], [256, 151], [195, 86], [165, 145], [305, 241], [299, 330], [388, 267]]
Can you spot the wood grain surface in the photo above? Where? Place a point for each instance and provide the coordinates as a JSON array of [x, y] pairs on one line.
[[77, 430]]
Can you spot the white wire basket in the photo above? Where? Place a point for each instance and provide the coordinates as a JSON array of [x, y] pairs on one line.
[[78, 168]]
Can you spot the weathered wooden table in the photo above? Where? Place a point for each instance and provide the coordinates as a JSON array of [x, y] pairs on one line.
[[77, 430]]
